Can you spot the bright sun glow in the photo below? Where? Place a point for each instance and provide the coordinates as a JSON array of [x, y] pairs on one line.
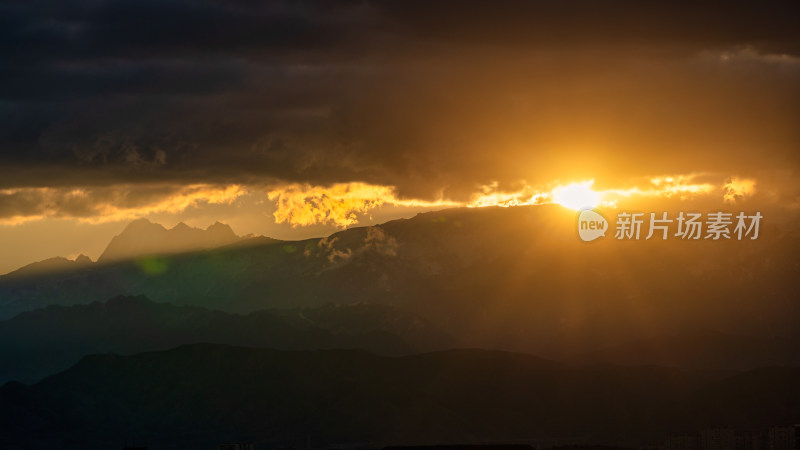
[[576, 195]]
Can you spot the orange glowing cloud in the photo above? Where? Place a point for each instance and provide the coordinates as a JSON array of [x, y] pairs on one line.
[[682, 186], [489, 195], [108, 204], [738, 189], [583, 193], [339, 204]]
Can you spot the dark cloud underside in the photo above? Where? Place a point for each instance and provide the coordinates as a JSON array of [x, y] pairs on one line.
[[422, 95]]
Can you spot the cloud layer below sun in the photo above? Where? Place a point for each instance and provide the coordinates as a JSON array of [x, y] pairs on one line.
[[107, 204], [339, 204]]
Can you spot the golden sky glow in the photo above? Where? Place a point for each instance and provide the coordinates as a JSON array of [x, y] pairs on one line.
[[341, 204], [293, 135], [296, 211], [113, 204]]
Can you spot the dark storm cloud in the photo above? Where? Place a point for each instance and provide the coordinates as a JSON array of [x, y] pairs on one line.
[[422, 95], [591, 23]]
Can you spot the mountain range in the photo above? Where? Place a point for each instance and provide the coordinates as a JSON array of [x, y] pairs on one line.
[[142, 237], [50, 266], [516, 279]]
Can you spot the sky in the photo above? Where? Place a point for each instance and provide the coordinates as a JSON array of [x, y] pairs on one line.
[[296, 119]]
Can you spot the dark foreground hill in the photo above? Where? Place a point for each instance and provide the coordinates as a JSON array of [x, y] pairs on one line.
[[42, 342], [204, 394]]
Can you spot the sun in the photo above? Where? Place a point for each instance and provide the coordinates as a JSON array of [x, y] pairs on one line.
[[576, 195]]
